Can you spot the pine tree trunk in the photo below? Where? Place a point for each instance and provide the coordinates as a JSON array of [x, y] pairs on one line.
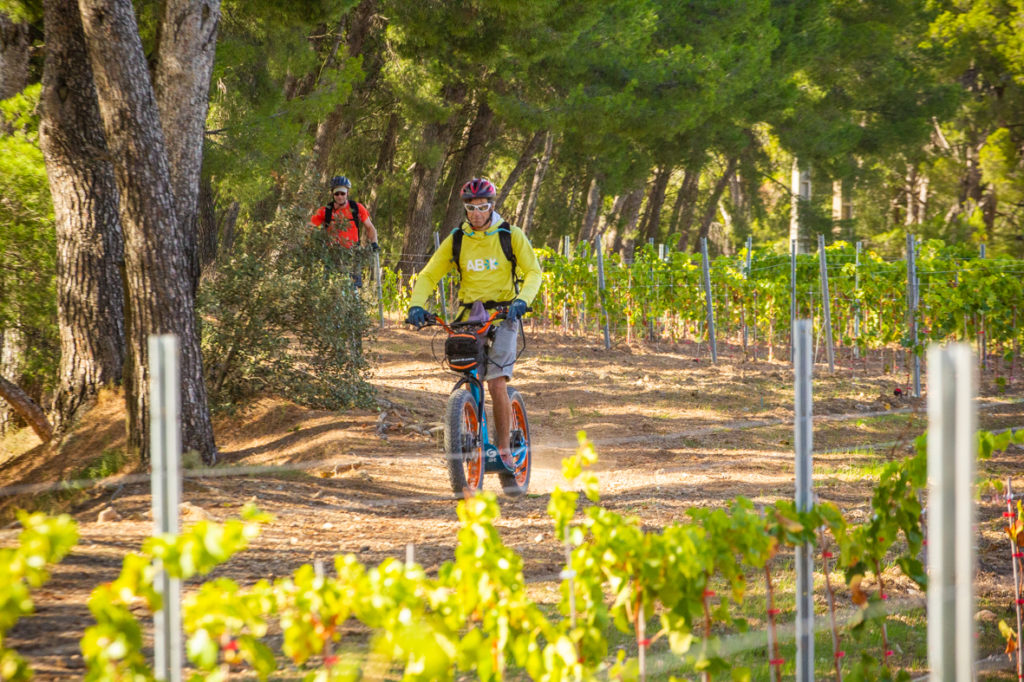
[[800, 186], [588, 230], [188, 38], [90, 247], [431, 155], [837, 208], [157, 268], [608, 225], [385, 156], [14, 61], [207, 236], [711, 208], [338, 125], [470, 164], [651, 226], [12, 355], [686, 206], [628, 219], [538, 180], [26, 408], [14, 56], [529, 151]]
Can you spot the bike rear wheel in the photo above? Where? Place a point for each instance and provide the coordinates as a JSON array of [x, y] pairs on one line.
[[464, 453], [517, 482]]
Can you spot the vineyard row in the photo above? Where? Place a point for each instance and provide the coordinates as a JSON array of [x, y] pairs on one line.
[[959, 296]]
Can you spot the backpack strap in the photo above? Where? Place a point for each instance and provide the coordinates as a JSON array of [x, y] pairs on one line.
[[328, 214], [457, 248], [353, 208], [505, 239]]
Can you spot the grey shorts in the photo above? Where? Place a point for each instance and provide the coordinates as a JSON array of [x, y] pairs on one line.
[[501, 355]]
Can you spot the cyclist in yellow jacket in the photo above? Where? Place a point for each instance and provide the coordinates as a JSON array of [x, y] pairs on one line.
[[487, 276]]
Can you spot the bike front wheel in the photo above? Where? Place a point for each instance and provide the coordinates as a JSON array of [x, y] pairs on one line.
[[464, 452], [517, 481]]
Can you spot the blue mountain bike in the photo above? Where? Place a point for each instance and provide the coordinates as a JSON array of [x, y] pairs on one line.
[[469, 452]]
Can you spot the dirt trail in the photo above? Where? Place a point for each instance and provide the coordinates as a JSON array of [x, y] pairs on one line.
[[671, 431]]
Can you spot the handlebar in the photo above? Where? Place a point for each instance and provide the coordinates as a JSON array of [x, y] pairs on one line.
[[434, 320]]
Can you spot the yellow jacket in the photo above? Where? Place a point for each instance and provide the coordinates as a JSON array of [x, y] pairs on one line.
[[486, 273]]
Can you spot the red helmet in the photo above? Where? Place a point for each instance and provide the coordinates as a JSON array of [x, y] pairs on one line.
[[478, 188]]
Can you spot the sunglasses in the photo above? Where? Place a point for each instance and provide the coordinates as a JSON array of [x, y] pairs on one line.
[[340, 193], [477, 207]]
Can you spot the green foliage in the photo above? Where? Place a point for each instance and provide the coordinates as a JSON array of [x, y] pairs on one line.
[[43, 540], [280, 314], [475, 616], [113, 647], [962, 296], [28, 301]]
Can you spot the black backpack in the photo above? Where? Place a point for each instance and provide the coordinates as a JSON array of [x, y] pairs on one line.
[[504, 238], [353, 207]]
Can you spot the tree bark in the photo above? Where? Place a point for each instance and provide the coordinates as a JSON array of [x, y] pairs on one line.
[[12, 355], [800, 196], [529, 151], [712, 206], [588, 230], [187, 42], [338, 124], [157, 268], [27, 409], [685, 207], [90, 246], [538, 180], [432, 150], [470, 164], [609, 224], [207, 224], [385, 156], [628, 219], [14, 55], [651, 226]]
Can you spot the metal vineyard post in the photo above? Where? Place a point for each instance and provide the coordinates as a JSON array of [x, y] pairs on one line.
[[952, 448], [803, 442], [826, 304], [165, 447], [707, 297], [444, 295]]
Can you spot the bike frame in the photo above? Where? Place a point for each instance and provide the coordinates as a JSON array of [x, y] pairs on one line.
[[492, 458], [471, 380]]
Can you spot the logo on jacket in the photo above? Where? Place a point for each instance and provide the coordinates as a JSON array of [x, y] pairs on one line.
[[482, 264]]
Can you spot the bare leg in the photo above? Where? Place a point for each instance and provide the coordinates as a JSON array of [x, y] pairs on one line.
[[502, 408]]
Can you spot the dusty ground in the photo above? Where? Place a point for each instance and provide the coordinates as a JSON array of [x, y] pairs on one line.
[[672, 431]]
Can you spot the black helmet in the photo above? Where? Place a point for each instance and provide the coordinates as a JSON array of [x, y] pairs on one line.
[[340, 181]]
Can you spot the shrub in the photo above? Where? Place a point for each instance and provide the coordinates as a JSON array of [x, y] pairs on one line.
[[280, 314]]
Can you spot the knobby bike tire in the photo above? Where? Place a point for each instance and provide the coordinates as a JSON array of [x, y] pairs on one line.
[[464, 453], [518, 482]]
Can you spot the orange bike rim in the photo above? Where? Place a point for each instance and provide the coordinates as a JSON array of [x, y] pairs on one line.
[[473, 460], [519, 422]]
